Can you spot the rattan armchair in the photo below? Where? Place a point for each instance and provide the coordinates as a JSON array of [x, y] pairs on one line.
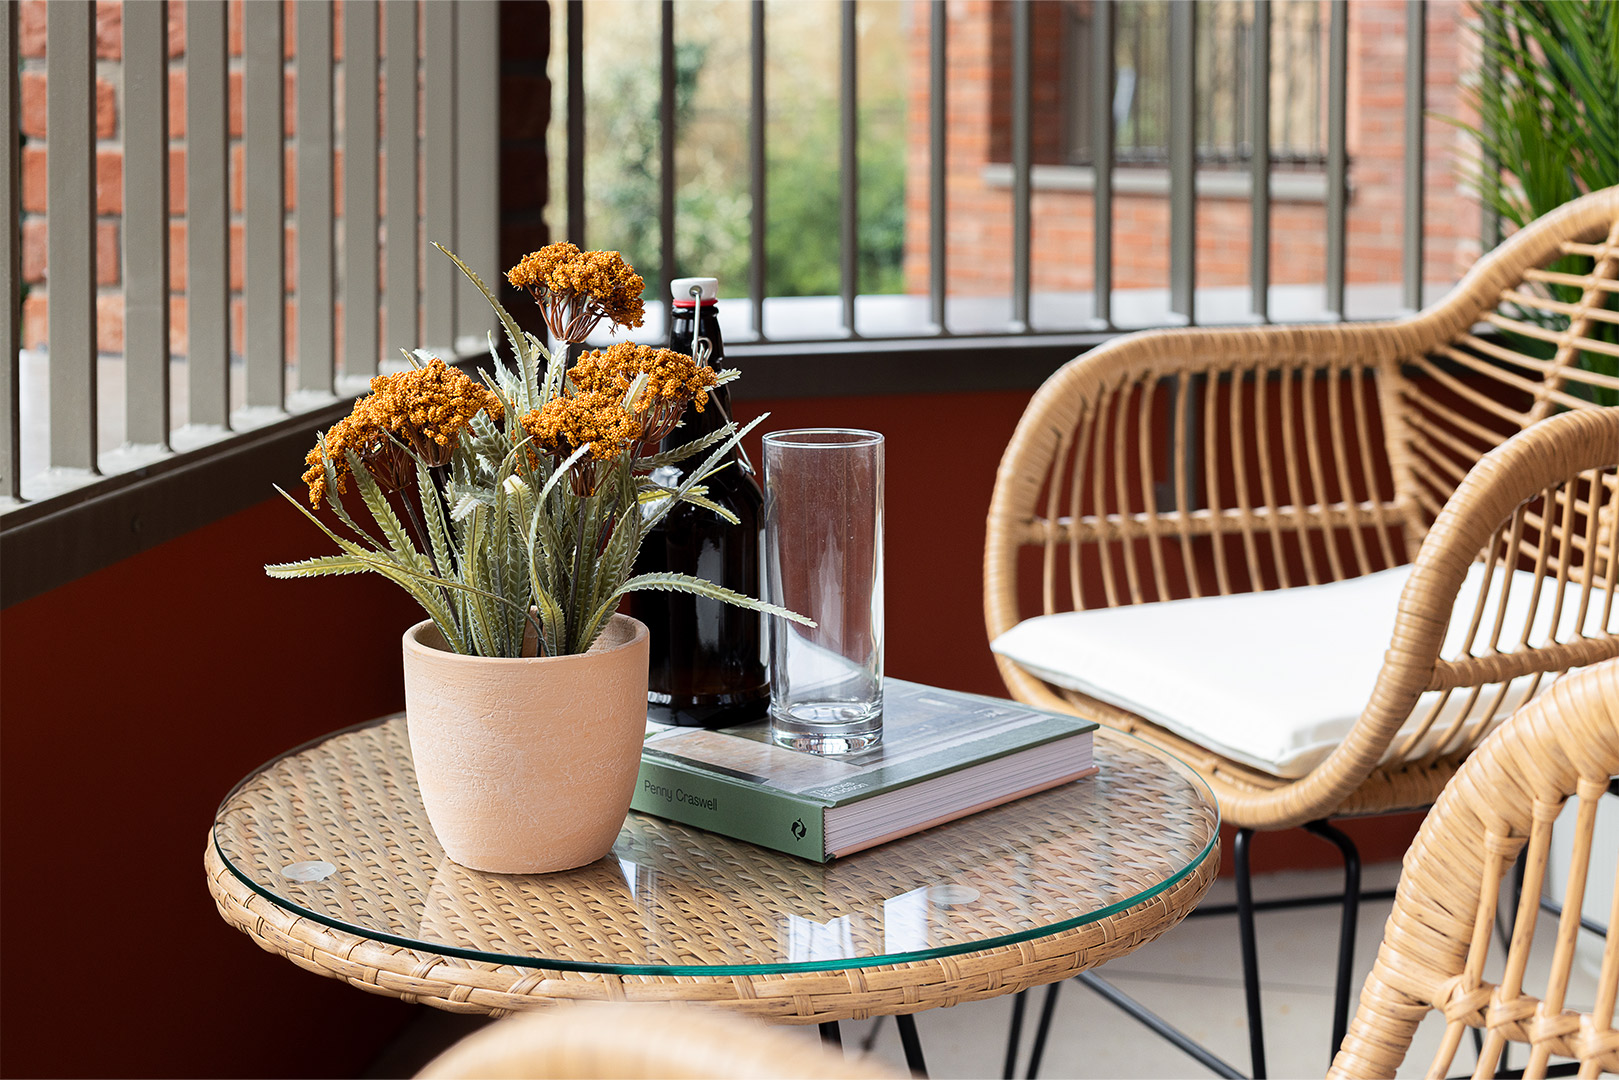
[[1504, 799], [1186, 463]]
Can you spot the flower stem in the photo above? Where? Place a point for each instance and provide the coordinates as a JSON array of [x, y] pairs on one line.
[[578, 571]]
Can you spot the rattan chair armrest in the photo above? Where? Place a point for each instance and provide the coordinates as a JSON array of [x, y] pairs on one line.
[[1547, 463]]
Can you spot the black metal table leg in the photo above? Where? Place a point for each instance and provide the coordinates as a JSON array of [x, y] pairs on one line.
[[913, 1045], [1250, 949], [1038, 1051], [831, 1035], [1014, 1035]]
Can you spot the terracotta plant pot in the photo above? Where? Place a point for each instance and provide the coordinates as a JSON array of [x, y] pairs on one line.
[[527, 765]]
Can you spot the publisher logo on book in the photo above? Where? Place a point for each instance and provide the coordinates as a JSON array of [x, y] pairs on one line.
[[798, 829]]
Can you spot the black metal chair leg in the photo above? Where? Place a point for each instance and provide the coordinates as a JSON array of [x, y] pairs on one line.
[[1014, 1035], [913, 1045], [1157, 1025], [831, 1035], [1250, 950], [1346, 931], [1042, 1029]]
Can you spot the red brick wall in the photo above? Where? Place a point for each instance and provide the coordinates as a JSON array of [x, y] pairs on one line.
[[979, 215]]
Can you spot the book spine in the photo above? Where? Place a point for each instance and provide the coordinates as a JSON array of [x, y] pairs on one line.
[[771, 819]]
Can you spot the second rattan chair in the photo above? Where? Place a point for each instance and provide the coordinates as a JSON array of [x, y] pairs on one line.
[[1472, 469], [1502, 802]]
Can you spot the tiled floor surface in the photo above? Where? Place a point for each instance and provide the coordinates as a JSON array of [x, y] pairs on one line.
[[1190, 976]]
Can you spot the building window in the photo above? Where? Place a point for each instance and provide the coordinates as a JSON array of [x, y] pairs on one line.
[[1224, 36]]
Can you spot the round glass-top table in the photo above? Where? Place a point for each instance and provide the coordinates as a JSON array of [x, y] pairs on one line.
[[325, 855]]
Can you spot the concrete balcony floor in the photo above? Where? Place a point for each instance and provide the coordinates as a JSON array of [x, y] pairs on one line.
[[1190, 976]]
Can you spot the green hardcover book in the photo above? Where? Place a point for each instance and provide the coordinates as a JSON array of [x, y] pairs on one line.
[[944, 755]]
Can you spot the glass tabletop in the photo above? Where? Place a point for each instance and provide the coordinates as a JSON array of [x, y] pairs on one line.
[[335, 831]]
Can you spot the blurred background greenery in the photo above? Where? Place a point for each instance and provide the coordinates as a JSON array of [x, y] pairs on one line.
[[712, 198]]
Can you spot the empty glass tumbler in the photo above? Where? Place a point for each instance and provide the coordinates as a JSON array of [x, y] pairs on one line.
[[824, 559]]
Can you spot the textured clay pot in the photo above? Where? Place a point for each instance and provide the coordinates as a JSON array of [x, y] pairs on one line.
[[527, 765]]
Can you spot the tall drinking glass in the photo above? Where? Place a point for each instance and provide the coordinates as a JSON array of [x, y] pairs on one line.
[[824, 559]]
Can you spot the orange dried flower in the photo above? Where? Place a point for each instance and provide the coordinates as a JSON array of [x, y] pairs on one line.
[[673, 380], [353, 432], [569, 421], [670, 375], [426, 409], [576, 289]]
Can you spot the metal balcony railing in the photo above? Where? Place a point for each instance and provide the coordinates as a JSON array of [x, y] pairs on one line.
[[434, 159], [1257, 112], [437, 148]]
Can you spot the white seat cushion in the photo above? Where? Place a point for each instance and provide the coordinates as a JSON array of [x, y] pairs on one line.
[[1274, 680]]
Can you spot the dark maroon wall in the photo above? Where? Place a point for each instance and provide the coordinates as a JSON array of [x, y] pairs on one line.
[[130, 701]]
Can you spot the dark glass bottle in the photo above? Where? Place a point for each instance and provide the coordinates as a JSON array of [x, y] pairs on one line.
[[708, 658]]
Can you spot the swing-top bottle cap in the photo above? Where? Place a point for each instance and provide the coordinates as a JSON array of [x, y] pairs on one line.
[[681, 288]]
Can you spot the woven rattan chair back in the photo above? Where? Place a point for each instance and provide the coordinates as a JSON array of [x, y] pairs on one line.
[[1506, 796], [1186, 463], [679, 1042], [1547, 298]]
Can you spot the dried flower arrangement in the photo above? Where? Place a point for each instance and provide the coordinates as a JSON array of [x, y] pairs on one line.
[[527, 495]]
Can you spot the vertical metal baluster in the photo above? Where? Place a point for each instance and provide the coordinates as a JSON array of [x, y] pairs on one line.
[[666, 155], [1182, 160], [11, 260], [477, 168], [438, 157], [1416, 67], [849, 164], [399, 143], [1202, 97], [207, 217], [1337, 154], [1240, 78], [1102, 80], [1490, 168], [938, 57], [1022, 157], [70, 43], [146, 224], [360, 248], [576, 122], [316, 363], [757, 164], [1130, 30], [1315, 72], [264, 198], [1259, 163], [1289, 93]]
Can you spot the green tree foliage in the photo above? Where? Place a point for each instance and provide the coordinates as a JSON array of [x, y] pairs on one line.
[[712, 203], [805, 199]]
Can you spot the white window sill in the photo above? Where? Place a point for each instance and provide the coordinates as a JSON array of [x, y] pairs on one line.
[[1297, 187]]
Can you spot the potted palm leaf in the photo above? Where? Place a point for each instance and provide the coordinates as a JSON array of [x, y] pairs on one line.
[[512, 509], [1548, 132]]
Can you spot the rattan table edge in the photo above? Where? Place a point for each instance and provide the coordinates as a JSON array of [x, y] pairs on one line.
[[811, 997]]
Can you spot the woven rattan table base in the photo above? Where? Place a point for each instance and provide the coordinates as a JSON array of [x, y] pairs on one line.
[[802, 998]]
